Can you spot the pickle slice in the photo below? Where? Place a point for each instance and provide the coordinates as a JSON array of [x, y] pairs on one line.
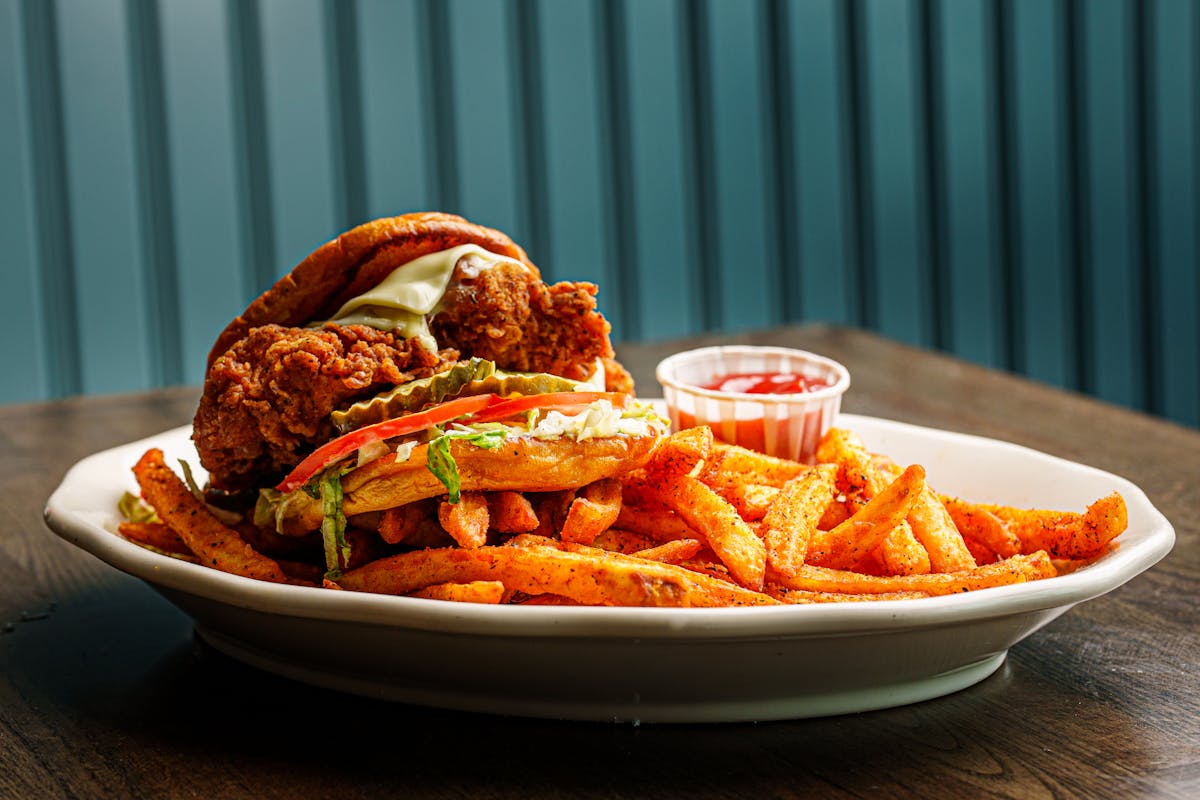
[[477, 376]]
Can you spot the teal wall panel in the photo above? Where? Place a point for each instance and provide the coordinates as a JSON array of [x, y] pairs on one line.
[[1038, 129], [572, 136], [665, 291], [1114, 289], [822, 251], [395, 137], [969, 242], [300, 114], [197, 87], [112, 290], [1016, 182], [898, 290], [1172, 209], [748, 266], [480, 47], [26, 375]]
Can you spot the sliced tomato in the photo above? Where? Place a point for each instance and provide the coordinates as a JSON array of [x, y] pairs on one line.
[[564, 402], [343, 446]]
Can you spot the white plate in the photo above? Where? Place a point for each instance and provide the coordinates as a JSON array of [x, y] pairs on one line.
[[643, 664]]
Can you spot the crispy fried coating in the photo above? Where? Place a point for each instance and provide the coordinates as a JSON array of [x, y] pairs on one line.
[[267, 400], [507, 315]]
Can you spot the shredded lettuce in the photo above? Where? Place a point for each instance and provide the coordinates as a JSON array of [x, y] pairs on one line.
[[333, 526], [441, 463], [135, 509]]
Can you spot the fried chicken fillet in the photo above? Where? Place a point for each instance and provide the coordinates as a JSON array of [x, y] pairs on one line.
[[272, 386]]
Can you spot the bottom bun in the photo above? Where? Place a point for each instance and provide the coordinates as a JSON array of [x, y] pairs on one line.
[[524, 464]]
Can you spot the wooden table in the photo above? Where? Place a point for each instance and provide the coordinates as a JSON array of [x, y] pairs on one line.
[[105, 693]]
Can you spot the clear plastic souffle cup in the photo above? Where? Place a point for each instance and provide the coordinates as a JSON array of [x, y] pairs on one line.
[[787, 425]]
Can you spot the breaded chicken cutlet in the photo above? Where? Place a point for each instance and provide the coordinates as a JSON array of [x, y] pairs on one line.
[[269, 393]]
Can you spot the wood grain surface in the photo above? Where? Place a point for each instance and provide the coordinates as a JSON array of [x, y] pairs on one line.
[[104, 692]]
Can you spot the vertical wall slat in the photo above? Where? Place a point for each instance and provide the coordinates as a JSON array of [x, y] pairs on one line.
[[482, 92], [822, 146], [1113, 257], [748, 261], [94, 51], [154, 192], [304, 191], [346, 111], [26, 375], [1043, 247], [255, 214], [700, 189], [1174, 205], [396, 150], [623, 302], [971, 247], [51, 201], [666, 275], [574, 161], [900, 290], [200, 127]]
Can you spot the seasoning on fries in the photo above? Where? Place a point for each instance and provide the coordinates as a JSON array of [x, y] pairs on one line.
[[669, 533]]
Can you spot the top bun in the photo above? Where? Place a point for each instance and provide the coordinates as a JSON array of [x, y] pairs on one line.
[[356, 261]]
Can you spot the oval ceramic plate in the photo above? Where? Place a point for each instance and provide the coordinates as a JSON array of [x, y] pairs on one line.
[[639, 664]]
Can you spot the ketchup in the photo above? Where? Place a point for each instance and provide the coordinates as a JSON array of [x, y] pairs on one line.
[[766, 383]]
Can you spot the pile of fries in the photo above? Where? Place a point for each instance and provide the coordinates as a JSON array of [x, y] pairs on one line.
[[701, 524]]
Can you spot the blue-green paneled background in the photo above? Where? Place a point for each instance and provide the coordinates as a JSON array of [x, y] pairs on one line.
[[1016, 182]]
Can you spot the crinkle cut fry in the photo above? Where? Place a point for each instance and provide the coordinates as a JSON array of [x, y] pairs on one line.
[[214, 543]]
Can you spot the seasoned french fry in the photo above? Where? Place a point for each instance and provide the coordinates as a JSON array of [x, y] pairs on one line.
[[978, 524], [638, 490], [679, 453], [980, 552], [786, 595], [486, 592], [794, 515], [728, 462], [590, 576], [662, 525], [402, 522], [548, 600], [1017, 569], [551, 509], [752, 500], [703, 523], [511, 512], [901, 554], [155, 535], [673, 552], [1065, 534], [730, 537], [932, 525], [594, 510], [467, 520], [865, 474], [216, 544], [623, 541], [848, 543]]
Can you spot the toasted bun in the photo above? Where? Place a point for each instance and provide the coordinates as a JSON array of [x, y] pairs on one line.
[[355, 262], [524, 464]]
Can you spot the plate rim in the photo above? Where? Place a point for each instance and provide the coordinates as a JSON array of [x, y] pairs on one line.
[[789, 621]]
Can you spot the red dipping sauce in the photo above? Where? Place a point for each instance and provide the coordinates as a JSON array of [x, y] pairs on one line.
[[766, 383]]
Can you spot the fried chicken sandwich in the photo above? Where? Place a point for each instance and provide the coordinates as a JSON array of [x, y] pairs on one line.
[[412, 360]]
